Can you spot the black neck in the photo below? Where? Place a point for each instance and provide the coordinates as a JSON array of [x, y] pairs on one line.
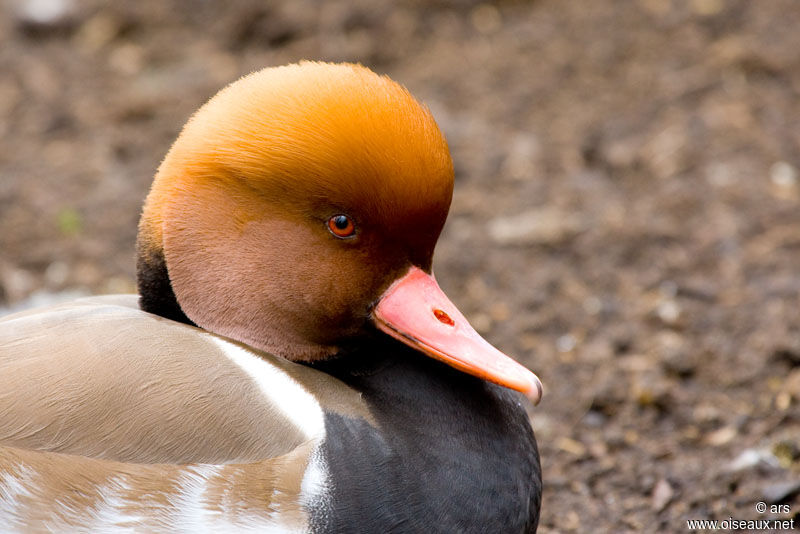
[[458, 453], [155, 290]]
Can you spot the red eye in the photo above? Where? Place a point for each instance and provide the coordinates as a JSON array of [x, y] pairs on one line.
[[341, 226]]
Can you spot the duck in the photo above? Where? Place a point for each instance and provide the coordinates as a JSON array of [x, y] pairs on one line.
[[290, 363]]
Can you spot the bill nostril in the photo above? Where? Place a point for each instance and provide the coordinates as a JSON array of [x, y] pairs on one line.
[[443, 317]]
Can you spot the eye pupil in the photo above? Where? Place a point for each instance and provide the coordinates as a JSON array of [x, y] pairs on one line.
[[341, 222]]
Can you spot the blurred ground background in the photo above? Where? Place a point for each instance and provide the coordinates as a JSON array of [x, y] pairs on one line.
[[625, 218]]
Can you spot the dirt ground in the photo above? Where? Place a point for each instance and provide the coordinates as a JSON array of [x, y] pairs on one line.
[[626, 218]]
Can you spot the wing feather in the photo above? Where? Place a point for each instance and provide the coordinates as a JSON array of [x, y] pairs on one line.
[[101, 379]]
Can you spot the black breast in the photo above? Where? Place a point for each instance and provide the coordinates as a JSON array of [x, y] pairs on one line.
[[452, 453]]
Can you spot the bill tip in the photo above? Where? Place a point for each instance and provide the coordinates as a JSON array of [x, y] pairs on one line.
[[535, 392]]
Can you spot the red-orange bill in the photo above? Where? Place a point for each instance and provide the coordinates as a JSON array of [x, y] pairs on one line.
[[416, 311]]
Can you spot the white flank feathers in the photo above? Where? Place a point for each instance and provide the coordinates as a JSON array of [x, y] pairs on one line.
[[13, 492]]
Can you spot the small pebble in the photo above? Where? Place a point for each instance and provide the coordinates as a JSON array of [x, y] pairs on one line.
[[783, 174], [669, 311], [56, 273], [722, 436], [662, 495], [571, 446], [566, 343], [750, 458], [545, 226], [45, 14]]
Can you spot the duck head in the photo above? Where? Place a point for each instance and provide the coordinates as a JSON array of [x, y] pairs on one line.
[[298, 210]]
